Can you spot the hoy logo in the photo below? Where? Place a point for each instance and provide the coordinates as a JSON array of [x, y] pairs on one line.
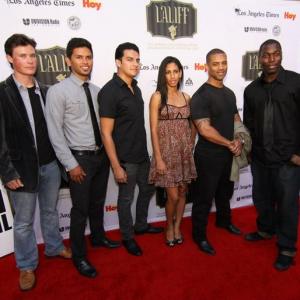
[[289, 16], [91, 4], [171, 19], [4, 225]]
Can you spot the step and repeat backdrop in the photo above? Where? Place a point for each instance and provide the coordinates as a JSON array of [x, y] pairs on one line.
[[185, 29]]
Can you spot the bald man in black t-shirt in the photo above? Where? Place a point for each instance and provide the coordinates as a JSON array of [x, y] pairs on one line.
[[214, 111]]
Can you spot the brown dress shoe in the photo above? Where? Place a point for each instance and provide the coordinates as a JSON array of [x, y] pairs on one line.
[[26, 280], [66, 253]]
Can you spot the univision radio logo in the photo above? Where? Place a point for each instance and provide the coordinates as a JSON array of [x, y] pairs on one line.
[[43, 22], [52, 66], [4, 225], [251, 66], [171, 19]]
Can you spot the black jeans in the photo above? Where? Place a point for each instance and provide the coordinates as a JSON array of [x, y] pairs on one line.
[[88, 200], [212, 183], [276, 199]]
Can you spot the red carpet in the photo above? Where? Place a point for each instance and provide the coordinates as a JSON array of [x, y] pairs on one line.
[[240, 270]]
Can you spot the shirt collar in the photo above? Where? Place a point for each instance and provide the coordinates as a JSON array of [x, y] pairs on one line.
[[20, 86], [280, 77], [121, 82], [77, 80]]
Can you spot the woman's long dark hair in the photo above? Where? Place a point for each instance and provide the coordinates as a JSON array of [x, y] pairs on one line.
[[161, 79]]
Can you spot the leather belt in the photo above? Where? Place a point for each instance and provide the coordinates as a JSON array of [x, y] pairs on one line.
[[86, 152]]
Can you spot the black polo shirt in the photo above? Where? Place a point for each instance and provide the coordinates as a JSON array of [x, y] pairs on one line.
[[284, 94], [219, 105], [116, 101]]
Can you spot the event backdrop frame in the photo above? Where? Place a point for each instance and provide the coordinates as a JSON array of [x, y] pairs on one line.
[[185, 29]]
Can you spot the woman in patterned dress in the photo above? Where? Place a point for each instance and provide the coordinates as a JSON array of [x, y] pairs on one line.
[[173, 135]]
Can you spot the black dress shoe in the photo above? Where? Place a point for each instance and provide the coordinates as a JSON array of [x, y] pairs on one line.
[[149, 229], [105, 242], [132, 247], [233, 229], [85, 268], [256, 236], [283, 262], [206, 247]]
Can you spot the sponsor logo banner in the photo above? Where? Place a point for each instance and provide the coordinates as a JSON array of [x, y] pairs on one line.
[[74, 23], [255, 29], [200, 67], [38, 3], [40, 22], [255, 14], [289, 16], [91, 4]]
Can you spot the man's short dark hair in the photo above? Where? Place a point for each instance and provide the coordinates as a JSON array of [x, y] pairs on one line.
[[77, 43], [125, 46], [213, 52], [16, 40], [267, 43]]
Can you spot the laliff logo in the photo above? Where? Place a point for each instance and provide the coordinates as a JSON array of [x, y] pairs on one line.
[[52, 66], [200, 67], [251, 67], [289, 16], [171, 19], [74, 22], [91, 4], [4, 225]]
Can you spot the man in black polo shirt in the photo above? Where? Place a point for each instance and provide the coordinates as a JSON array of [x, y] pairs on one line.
[[214, 111], [272, 114], [121, 109]]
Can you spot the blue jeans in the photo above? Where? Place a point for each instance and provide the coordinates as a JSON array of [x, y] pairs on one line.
[[24, 204]]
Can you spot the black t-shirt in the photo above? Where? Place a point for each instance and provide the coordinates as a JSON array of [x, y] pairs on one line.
[[116, 101], [219, 105]]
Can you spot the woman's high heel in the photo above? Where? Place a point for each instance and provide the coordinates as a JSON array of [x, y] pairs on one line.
[[171, 243], [179, 241]]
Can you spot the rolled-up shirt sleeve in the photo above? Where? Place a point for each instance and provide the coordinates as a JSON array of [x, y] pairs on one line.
[[55, 110]]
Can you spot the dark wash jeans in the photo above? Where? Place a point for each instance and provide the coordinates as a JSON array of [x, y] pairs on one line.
[[137, 174], [276, 199]]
